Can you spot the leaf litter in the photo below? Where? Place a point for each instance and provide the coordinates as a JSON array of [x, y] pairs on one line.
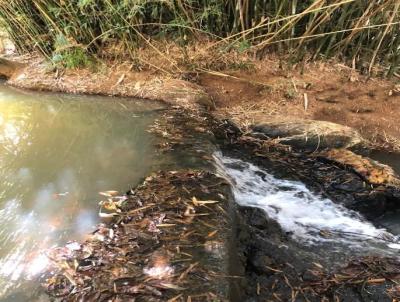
[[156, 248]]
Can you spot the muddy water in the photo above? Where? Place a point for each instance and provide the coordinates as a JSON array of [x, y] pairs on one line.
[[56, 153]]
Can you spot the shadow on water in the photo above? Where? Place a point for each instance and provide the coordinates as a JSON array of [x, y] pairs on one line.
[[56, 153]]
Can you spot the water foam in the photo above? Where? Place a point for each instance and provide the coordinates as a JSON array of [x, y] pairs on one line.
[[307, 216]]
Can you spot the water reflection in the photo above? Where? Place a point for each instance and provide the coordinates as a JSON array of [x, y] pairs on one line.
[[56, 154]]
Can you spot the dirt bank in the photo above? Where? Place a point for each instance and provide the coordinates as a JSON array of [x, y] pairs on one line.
[[327, 91], [8, 68], [247, 92], [112, 80]]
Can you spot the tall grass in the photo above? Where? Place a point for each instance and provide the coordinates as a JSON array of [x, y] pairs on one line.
[[366, 32]]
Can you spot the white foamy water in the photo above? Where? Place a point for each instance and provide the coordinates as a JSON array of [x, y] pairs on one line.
[[307, 216]]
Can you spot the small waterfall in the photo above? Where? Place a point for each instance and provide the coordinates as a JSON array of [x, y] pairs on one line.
[[308, 217]]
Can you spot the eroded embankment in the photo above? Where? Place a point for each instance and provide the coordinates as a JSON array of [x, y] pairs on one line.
[[9, 68], [36, 74], [246, 91]]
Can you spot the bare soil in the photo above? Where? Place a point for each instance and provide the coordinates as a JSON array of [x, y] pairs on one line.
[[335, 93]]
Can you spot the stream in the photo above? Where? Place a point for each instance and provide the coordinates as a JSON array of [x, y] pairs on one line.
[[312, 220], [57, 152]]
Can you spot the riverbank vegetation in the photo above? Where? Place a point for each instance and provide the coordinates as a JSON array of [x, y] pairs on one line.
[[72, 33]]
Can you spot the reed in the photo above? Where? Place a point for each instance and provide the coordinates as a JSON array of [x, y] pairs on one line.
[[365, 32]]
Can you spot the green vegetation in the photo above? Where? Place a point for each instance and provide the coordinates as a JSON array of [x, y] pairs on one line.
[[365, 32]]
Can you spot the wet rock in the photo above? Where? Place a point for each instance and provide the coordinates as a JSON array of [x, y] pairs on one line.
[[258, 219], [309, 134], [347, 294], [352, 185], [373, 205], [370, 170], [262, 263]]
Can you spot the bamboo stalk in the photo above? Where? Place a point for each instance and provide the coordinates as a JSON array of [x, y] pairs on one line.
[[367, 31]]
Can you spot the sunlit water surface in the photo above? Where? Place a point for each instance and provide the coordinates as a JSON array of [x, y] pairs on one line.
[[56, 153]]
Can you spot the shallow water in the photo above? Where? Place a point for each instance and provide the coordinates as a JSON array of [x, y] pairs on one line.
[[56, 153]]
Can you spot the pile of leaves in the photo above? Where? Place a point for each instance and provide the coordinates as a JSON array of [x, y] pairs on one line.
[[166, 241]]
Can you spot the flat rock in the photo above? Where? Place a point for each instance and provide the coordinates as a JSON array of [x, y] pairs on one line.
[[309, 134]]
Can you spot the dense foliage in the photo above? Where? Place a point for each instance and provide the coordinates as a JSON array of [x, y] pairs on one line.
[[366, 31]]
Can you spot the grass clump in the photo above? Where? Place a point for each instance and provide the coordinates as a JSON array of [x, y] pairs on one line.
[[68, 55], [363, 32]]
